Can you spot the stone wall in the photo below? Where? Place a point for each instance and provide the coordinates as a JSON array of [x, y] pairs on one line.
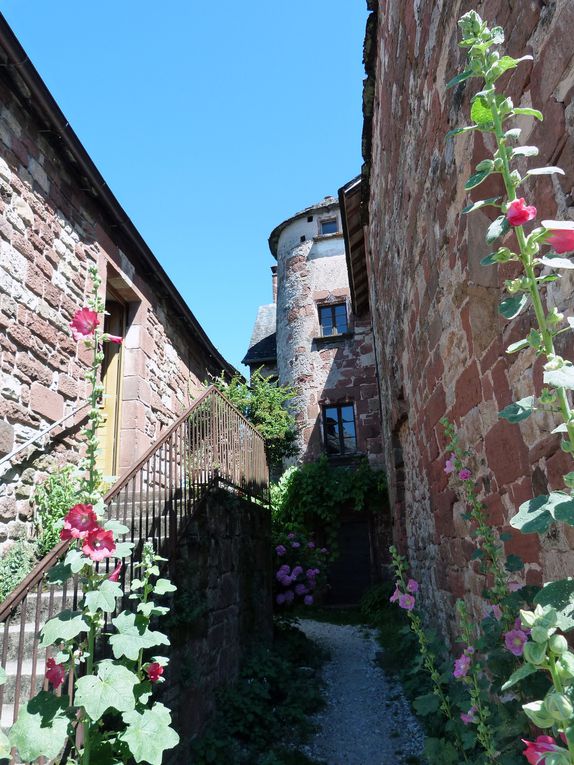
[[223, 606], [52, 227], [438, 334]]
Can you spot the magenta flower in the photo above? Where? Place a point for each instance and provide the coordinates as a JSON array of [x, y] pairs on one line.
[[280, 550], [449, 465], [84, 323], [396, 595], [79, 522], [514, 640], [290, 535], [55, 673], [560, 235], [461, 666], [464, 474], [99, 544], [154, 671], [115, 575], [406, 601], [308, 600], [310, 573], [515, 586], [412, 586], [295, 545], [469, 717], [297, 571], [520, 213], [536, 751], [300, 589], [493, 610], [286, 580]]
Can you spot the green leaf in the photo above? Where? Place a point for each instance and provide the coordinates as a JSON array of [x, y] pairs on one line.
[[524, 671], [162, 586], [59, 573], [65, 626], [519, 410], [481, 113], [513, 305], [514, 563], [557, 262], [560, 428], [545, 171], [427, 704], [560, 378], [460, 78], [513, 133], [149, 734], [477, 205], [76, 560], [41, 729], [506, 536], [476, 179], [111, 688], [104, 598], [123, 549], [536, 515], [518, 346], [4, 746], [133, 636], [497, 228], [458, 131], [525, 151], [527, 112], [560, 596], [150, 609], [489, 260], [118, 528]]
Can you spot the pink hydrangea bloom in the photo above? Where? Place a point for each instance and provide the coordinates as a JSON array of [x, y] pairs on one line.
[[99, 544], [79, 522], [297, 571], [469, 717], [84, 323], [154, 671], [407, 601], [295, 545], [514, 640], [300, 589], [449, 465], [560, 235], [461, 666], [464, 474], [55, 673], [536, 750], [308, 600], [412, 586], [115, 575], [280, 550], [290, 535], [520, 213]]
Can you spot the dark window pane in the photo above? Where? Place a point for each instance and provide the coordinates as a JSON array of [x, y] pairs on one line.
[[329, 227], [326, 320], [331, 424]]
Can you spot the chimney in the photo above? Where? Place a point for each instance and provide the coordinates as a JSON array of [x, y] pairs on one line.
[[274, 281]]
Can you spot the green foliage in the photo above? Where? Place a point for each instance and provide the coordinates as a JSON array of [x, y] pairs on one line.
[[269, 706], [15, 565], [52, 499], [264, 403], [313, 495], [42, 727]]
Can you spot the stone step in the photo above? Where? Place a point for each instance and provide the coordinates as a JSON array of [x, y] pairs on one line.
[[9, 687]]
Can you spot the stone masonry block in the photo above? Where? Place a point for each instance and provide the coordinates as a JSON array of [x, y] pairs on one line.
[[6, 437], [46, 402]]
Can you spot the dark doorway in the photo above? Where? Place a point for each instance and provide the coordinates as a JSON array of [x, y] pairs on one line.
[[350, 574]]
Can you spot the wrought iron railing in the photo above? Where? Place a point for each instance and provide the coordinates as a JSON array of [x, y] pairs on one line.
[[210, 444]]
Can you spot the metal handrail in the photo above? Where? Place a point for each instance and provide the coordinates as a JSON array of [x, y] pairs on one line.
[[41, 434]]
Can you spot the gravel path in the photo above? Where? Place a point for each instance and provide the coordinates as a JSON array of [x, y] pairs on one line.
[[367, 720]]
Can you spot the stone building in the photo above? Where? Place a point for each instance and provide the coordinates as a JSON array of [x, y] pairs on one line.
[[439, 338], [57, 217]]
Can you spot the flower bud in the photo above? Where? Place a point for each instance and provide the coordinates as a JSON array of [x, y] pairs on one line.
[[536, 711], [558, 706], [558, 644], [534, 653]]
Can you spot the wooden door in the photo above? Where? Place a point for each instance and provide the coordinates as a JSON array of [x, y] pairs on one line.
[[109, 431]]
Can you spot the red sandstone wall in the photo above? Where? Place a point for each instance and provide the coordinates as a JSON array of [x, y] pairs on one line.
[[50, 232], [439, 338]]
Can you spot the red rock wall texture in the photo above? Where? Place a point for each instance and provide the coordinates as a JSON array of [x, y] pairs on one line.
[[51, 230], [438, 335]]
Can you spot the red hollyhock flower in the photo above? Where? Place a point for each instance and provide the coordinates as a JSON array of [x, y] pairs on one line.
[[154, 671], [113, 339], [79, 522], [560, 235], [99, 544], [55, 673], [535, 750], [84, 323], [115, 575], [520, 213]]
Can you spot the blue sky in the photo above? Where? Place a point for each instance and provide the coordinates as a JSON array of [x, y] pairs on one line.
[[212, 122]]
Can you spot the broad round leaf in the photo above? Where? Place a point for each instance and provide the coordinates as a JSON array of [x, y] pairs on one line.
[[133, 636], [41, 729], [536, 515], [148, 735], [513, 305], [104, 598], [519, 410], [112, 687], [65, 626], [560, 378], [559, 595]]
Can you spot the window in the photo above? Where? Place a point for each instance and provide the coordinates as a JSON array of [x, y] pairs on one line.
[[333, 319], [329, 226], [339, 429]]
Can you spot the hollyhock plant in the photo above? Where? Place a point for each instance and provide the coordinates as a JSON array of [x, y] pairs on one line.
[[412, 586], [450, 464], [154, 671], [464, 474], [461, 666], [469, 718], [514, 640], [115, 575], [99, 544], [406, 601], [55, 673], [537, 751], [107, 338], [560, 235], [84, 323], [80, 521], [519, 212]]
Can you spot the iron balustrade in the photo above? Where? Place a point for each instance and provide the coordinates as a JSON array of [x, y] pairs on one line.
[[210, 444]]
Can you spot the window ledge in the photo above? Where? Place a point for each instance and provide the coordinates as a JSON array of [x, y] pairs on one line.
[[323, 339], [346, 459], [323, 237]]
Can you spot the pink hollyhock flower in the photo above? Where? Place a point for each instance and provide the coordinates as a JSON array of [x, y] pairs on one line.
[[536, 750], [449, 465], [496, 611], [461, 666], [515, 586], [84, 323], [280, 550], [154, 671], [308, 600], [470, 716], [115, 575], [280, 599], [55, 673], [464, 474], [514, 640], [79, 522], [112, 339], [99, 544], [396, 595], [469, 650], [407, 601], [560, 235], [311, 545], [520, 213], [412, 586]]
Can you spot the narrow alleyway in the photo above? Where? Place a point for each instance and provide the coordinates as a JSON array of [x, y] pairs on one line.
[[367, 720]]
